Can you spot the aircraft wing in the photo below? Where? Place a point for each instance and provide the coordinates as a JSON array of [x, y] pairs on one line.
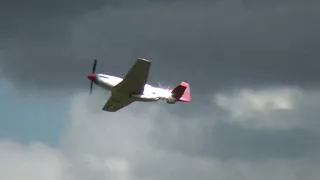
[[136, 78], [114, 104]]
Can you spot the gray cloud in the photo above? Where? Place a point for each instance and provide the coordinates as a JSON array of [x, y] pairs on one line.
[[232, 141], [249, 144], [248, 132], [149, 142], [212, 45], [223, 43], [161, 145]]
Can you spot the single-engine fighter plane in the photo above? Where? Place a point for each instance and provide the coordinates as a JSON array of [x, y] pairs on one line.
[[133, 87]]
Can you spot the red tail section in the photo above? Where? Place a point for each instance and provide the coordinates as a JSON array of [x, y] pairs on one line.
[[182, 92]]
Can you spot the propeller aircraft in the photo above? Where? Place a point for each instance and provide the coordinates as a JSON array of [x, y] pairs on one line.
[[133, 87]]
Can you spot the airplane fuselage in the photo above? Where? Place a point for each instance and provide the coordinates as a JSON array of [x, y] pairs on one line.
[[133, 87], [149, 94]]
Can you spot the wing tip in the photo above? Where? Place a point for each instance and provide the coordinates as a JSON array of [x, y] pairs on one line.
[[143, 59]]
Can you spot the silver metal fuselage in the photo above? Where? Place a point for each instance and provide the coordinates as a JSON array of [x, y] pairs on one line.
[[150, 93]]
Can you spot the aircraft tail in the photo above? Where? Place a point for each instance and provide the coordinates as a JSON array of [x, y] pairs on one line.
[[182, 92]]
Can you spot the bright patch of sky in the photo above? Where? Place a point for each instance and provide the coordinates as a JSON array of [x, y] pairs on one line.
[[30, 117]]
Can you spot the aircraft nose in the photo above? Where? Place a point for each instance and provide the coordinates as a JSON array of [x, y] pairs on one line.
[[91, 76]]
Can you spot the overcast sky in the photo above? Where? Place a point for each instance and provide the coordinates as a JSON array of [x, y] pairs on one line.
[[253, 67]]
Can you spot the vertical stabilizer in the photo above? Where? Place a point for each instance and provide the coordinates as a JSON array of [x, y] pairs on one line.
[[182, 92]]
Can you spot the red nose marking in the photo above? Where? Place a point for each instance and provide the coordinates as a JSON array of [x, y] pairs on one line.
[[91, 76]]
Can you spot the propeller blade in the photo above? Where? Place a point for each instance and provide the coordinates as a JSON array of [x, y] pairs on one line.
[[93, 72], [94, 66], [91, 85]]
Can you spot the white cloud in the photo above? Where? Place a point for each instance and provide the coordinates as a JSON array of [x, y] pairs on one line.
[[247, 101], [122, 146], [30, 162], [262, 108]]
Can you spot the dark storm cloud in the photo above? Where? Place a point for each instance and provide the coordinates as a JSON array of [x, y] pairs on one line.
[[210, 44], [40, 19]]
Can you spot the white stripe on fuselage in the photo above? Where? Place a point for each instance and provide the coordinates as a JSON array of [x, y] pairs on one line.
[[108, 82]]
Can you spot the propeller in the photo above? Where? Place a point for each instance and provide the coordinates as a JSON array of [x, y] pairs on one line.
[[93, 73]]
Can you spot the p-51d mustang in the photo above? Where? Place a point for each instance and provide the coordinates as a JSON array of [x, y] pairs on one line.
[[133, 87]]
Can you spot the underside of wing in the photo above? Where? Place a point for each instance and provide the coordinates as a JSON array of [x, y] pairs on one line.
[[114, 104], [135, 80]]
